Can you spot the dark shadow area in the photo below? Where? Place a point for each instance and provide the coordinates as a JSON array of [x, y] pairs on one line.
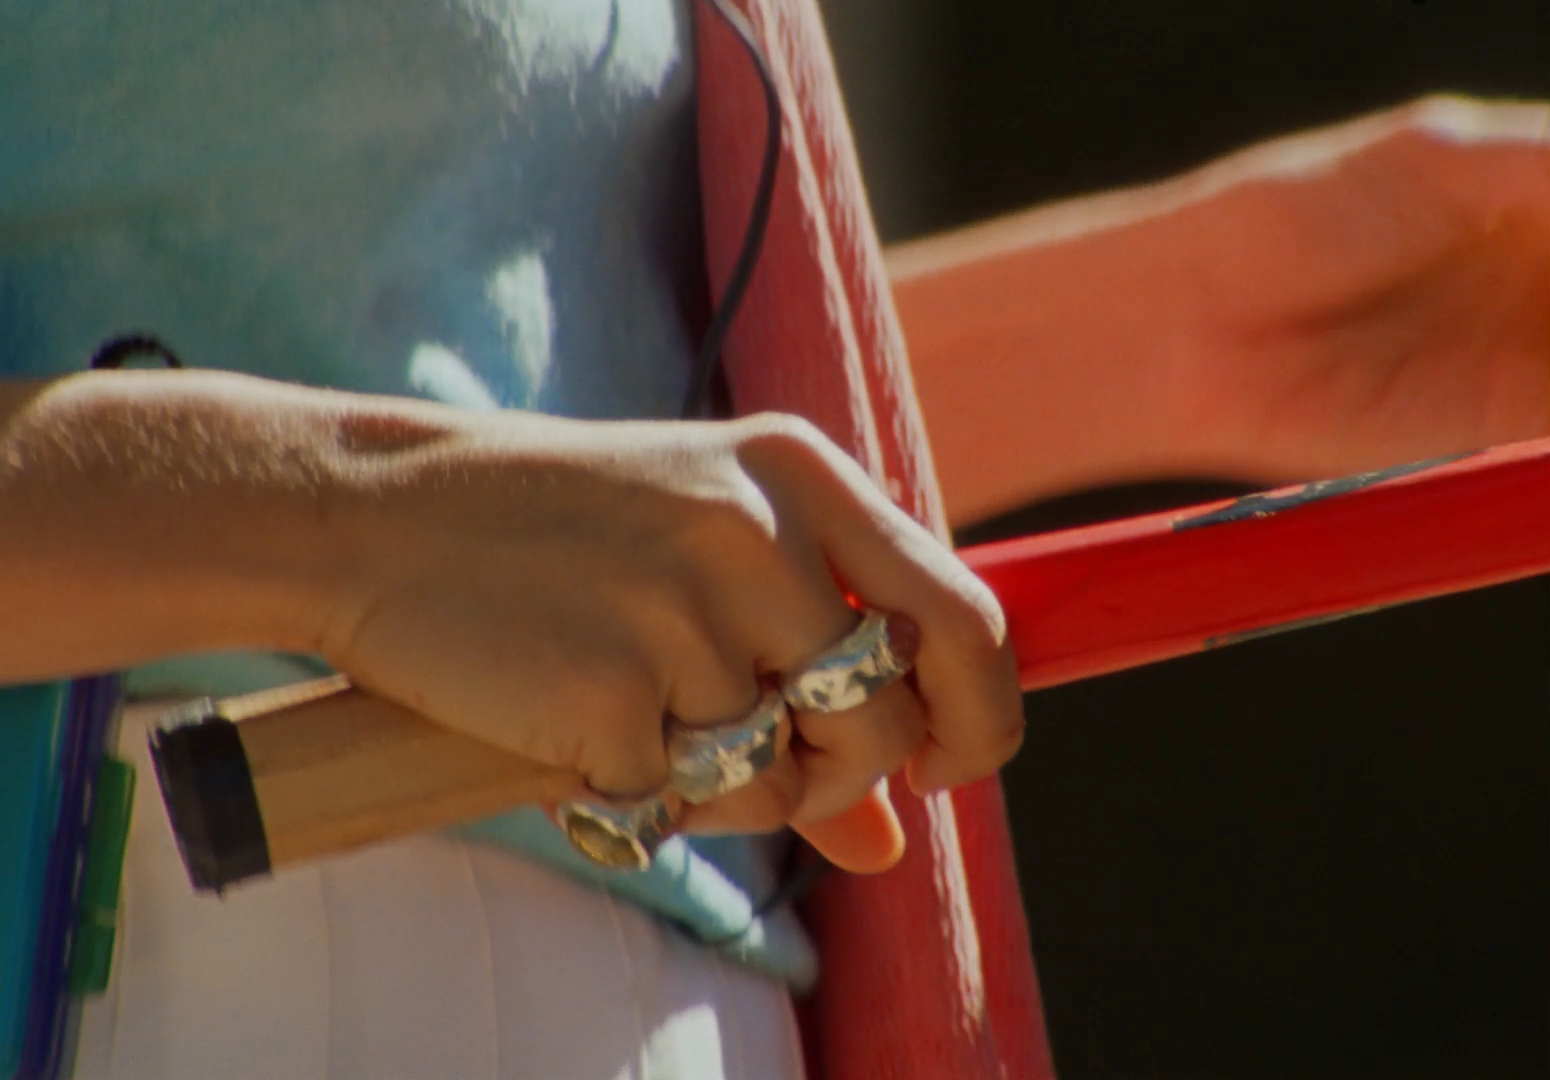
[[1316, 855], [1321, 854], [1057, 99]]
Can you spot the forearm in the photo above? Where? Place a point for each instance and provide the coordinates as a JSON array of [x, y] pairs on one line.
[[1245, 319], [1058, 348], [144, 514], [1041, 368], [548, 586]]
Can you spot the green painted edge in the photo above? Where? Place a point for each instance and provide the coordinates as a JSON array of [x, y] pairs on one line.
[[96, 927]]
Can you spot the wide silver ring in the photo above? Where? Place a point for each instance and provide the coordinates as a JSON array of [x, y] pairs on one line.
[[879, 651], [620, 836], [711, 760]]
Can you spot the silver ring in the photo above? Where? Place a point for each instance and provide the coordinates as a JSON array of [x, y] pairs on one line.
[[622, 836], [879, 651], [711, 760]]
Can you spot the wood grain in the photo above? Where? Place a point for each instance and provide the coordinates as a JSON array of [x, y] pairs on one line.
[[335, 769]]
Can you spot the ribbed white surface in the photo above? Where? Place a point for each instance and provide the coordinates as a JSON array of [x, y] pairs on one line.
[[429, 959]]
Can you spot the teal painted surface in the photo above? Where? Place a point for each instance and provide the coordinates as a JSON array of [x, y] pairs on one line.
[[486, 203], [30, 729]]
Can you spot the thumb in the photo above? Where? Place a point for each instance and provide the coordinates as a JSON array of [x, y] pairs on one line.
[[865, 839]]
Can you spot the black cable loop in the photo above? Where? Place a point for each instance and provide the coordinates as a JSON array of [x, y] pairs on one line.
[[709, 359], [805, 866], [115, 350]]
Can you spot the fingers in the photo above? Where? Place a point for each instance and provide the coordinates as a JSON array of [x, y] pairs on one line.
[[796, 613], [965, 675], [864, 839], [765, 601], [629, 758], [712, 683], [845, 755], [764, 805], [834, 762]]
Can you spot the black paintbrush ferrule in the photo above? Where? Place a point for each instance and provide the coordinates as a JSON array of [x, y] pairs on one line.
[[207, 786]]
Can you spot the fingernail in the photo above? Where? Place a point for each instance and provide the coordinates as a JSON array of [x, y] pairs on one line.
[[903, 638]]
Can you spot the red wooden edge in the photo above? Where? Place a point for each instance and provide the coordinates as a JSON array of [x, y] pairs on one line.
[[1088, 601]]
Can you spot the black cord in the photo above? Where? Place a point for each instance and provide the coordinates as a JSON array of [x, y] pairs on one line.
[[804, 868], [709, 359], [115, 350], [804, 865]]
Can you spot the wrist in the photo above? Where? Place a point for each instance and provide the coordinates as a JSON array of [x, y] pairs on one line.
[[416, 489], [157, 513], [1047, 369]]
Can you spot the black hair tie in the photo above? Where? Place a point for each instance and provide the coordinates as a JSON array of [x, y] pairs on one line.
[[115, 350]]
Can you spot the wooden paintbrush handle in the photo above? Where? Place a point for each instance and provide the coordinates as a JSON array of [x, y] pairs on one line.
[[348, 768], [333, 769]]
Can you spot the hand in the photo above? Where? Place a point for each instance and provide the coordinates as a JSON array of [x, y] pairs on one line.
[[553, 587], [557, 588], [1392, 305], [1357, 296]]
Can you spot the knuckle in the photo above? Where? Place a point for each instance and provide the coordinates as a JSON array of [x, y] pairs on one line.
[[666, 607], [996, 739], [970, 760], [1005, 742], [613, 693], [738, 520], [973, 626], [778, 797], [786, 442], [857, 747], [763, 806], [783, 431], [895, 726]]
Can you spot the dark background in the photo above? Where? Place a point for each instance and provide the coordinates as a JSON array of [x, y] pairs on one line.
[[1319, 855]]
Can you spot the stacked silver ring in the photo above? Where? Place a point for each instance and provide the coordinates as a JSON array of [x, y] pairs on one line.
[[704, 762], [874, 654], [707, 761]]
